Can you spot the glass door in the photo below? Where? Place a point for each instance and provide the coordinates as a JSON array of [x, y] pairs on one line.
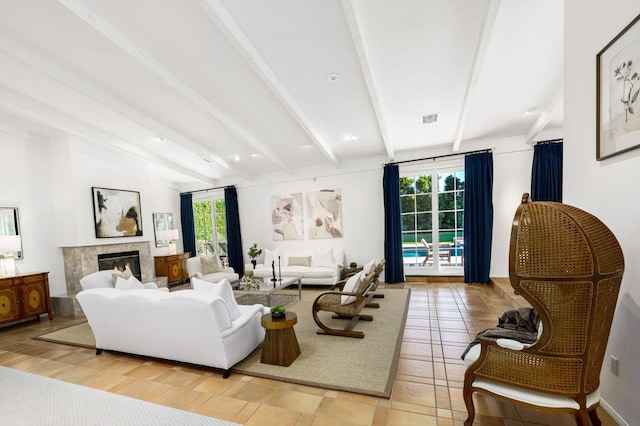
[[432, 204]]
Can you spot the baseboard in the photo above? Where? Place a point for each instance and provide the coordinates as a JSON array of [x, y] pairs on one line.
[[616, 417]]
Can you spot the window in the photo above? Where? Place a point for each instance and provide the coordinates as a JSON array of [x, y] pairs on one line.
[[432, 206], [210, 225]]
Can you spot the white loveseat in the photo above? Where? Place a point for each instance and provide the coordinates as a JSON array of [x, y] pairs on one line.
[[316, 266], [196, 327], [195, 269]]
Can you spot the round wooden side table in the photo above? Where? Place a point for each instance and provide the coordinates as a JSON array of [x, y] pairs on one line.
[[280, 346]]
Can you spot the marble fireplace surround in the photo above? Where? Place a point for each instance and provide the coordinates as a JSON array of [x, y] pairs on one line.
[[83, 260]]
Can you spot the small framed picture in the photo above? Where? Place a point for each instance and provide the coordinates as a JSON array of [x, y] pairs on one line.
[[617, 93]]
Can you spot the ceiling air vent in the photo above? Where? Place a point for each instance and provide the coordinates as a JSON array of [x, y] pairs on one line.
[[430, 119]]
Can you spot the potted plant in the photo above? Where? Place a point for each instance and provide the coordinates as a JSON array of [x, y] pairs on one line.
[[277, 312], [254, 252], [353, 265]]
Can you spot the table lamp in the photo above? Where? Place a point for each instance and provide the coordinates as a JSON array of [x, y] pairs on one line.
[[171, 236], [9, 244]]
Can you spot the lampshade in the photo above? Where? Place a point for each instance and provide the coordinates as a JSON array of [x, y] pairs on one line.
[[168, 235], [10, 243]]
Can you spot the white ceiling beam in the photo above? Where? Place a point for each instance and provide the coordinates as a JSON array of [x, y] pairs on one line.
[[545, 116], [351, 13], [83, 87], [484, 40], [225, 22], [144, 57], [38, 112]]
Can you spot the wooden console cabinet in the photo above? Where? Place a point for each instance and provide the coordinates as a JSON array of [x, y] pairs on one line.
[[172, 266], [23, 296]]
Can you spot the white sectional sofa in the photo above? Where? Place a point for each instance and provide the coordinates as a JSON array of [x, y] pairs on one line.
[[315, 266], [197, 327]]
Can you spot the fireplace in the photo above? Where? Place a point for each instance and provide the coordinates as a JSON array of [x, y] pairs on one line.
[[120, 261]]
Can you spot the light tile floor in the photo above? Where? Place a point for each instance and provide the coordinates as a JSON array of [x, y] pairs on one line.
[[443, 317]]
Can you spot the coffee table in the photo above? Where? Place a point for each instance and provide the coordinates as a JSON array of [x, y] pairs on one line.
[[268, 287]]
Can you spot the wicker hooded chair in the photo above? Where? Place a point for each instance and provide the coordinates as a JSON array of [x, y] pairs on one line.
[[569, 266]]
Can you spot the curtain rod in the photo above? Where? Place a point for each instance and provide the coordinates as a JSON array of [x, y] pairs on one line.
[[207, 189], [549, 141], [441, 156]]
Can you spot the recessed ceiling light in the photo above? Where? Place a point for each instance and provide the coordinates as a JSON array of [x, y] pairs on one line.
[[307, 146], [158, 139], [254, 155], [236, 158], [333, 77], [349, 138], [531, 111]]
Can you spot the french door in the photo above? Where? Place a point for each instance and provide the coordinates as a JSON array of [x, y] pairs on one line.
[[432, 205]]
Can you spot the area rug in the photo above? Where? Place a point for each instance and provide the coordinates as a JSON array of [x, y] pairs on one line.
[[28, 399], [366, 366]]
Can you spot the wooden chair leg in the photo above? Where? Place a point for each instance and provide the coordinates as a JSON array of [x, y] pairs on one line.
[[335, 332], [595, 420], [467, 395]]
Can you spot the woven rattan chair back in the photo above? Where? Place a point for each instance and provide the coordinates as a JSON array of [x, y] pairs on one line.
[[568, 265]]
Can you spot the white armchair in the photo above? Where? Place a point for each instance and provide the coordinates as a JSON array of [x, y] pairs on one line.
[[210, 268], [105, 279]]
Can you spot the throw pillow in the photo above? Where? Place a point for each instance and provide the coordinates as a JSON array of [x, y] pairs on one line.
[[124, 274], [350, 286], [323, 257], [367, 268], [222, 289], [270, 256], [209, 265], [131, 283], [299, 261]]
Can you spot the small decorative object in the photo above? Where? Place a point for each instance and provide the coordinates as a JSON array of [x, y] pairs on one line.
[[273, 272], [248, 283], [353, 265], [618, 93], [278, 312], [254, 252]]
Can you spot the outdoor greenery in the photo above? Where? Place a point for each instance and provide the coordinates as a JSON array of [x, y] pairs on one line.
[[416, 202], [206, 240]]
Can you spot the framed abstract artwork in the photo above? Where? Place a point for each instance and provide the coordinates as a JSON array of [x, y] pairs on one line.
[[286, 217], [617, 93], [324, 214], [116, 213]]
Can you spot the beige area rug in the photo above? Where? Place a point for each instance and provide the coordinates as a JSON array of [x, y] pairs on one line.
[[366, 366]]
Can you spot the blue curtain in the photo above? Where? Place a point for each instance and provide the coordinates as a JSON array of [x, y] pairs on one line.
[[234, 237], [188, 224], [546, 173], [394, 268], [478, 216]]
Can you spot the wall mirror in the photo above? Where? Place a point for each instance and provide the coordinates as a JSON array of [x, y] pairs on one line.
[[10, 238], [162, 222]]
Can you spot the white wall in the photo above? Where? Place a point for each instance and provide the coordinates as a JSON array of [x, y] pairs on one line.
[[362, 212], [604, 188], [50, 182]]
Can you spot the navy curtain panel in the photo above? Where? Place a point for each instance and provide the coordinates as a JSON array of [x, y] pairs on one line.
[[546, 173], [188, 224], [478, 216], [394, 268], [234, 237]]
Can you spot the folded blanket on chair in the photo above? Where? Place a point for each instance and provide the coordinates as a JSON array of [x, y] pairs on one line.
[[516, 324]]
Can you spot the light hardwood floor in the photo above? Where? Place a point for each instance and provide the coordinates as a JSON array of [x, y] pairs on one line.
[[443, 317]]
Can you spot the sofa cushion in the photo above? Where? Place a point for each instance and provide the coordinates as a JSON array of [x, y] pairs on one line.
[[323, 257], [131, 283], [350, 286], [209, 265], [270, 256], [299, 261], [222, 289], [318, 272]]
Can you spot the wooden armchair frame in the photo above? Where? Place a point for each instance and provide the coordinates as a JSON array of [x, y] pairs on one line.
[[569, 266]]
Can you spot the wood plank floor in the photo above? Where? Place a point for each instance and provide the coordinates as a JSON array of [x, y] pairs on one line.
[[443, 318]]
